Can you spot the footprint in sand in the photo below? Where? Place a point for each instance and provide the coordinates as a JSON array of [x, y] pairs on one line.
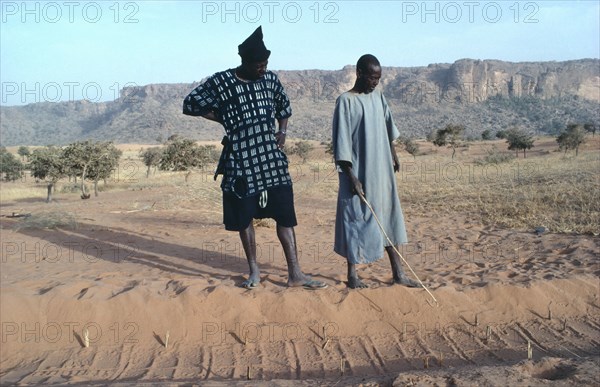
[[46, 289], [130, 285], [528, 266], [460, 280], [82, 293], [173, 288], [553, 369]]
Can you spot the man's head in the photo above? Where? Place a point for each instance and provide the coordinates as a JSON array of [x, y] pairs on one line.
[[254, 55], [254, 70], [368, 73]]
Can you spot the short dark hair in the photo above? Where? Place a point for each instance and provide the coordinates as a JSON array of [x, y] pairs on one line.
[[366, 61]]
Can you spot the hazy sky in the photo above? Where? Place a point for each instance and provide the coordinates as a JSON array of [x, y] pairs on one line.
[[70, 50]]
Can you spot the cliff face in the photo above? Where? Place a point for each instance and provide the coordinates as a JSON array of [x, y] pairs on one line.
[[423, 98], [473, 81], [542, 80]]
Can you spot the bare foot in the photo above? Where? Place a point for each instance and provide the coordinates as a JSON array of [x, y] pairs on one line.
[[408, 282], [252, 281], [295, 279], [356, 283], [250, 284]]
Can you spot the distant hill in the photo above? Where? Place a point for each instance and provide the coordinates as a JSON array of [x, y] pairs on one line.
[[480, 94]]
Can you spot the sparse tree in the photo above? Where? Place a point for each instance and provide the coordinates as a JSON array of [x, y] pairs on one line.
[[519, 140], [571, 138], [182, 154], [24, 152], [10, 166], [92, 161], [151, 158], [106, 160], [77, 157], [302, 149], [430, 136], [501, 134], [410, 146], [590, 128], [48, 164], [486, 135], [213, 154], [449, 136]]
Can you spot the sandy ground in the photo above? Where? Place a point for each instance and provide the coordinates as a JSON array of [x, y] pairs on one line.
[[144, 264]]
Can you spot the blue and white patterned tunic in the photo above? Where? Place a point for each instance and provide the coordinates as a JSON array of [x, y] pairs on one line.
[[247, 110]]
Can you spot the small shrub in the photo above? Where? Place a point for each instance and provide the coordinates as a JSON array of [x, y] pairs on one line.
[[494, 156], [48, 220]]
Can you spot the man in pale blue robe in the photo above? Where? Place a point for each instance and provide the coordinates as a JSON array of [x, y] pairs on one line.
[[363, 135]]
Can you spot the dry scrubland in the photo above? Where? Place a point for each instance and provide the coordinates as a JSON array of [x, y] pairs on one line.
[[149, 256], [548, 188]]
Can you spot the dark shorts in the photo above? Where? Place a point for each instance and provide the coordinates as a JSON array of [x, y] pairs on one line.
[[238, 213]]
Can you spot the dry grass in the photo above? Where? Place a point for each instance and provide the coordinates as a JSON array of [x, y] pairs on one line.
[[564, 198], [267, 223], [48, 220], [559, 193], [18, 191], [546, 189]]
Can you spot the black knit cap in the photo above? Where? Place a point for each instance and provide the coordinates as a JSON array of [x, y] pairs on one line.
[[253, 48]]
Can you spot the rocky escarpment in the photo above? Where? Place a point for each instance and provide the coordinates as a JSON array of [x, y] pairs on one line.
[[480, 94]]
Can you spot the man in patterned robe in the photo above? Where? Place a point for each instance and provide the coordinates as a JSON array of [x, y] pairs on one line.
[[247, 101]]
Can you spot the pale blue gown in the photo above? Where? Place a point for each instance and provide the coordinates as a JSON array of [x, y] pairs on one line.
[[363, 128]]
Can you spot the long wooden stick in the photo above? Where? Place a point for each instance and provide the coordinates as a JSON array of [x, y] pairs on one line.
[[394, 247]]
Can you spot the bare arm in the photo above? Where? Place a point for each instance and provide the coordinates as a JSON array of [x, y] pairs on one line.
[[280, 135], [395, 159]]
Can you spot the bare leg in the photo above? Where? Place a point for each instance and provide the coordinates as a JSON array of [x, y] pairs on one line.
[[353, 281], [248, 238], [287, 237], [397, 271]]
